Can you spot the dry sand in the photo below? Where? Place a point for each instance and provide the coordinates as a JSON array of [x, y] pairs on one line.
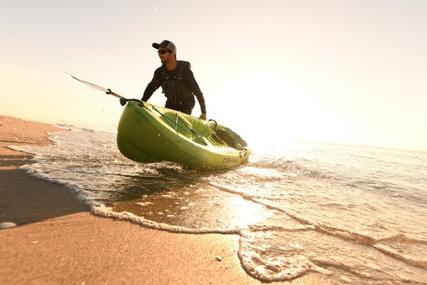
[[58, 241]]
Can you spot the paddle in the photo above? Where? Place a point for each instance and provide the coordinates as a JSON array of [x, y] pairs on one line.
[[108, 91], [123, 100]]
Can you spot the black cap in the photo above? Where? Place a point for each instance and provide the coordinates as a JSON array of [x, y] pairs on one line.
[[165, 44]]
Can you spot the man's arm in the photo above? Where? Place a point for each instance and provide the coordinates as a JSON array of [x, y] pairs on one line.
[[194, 87], [152, 86]]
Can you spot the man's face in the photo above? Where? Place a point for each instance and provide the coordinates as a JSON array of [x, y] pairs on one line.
[[164, 55]]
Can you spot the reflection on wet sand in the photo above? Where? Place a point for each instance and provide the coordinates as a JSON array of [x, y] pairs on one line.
[[184, 198]]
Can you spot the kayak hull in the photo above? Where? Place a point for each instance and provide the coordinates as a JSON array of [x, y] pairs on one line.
[[148, 133]]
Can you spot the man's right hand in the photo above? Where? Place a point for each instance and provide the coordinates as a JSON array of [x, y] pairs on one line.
[[203, 116]]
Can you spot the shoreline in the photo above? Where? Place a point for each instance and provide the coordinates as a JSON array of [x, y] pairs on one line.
[[58, 240]]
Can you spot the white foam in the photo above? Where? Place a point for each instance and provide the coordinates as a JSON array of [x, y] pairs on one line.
[[105, 211], [143, 204]]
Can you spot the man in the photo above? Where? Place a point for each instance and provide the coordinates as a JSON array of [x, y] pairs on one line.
[[177, 81]]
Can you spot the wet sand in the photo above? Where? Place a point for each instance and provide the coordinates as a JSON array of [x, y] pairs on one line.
[[58, 241]]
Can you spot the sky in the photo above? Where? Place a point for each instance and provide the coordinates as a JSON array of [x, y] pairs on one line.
[[334, 71]]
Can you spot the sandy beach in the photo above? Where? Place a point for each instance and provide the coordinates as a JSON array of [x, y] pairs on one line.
[[58, 241]]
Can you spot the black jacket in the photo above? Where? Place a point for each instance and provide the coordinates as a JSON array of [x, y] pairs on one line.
[[179, 87]]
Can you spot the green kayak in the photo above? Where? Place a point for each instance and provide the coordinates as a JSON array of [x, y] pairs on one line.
[[148, 133]]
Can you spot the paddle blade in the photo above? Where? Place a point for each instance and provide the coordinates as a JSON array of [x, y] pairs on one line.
[[97, 87]]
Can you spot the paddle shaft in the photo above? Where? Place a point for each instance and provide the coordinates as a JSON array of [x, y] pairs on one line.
[[123, 100]]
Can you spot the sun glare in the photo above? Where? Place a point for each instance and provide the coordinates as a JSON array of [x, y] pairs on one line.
[[264, 107]]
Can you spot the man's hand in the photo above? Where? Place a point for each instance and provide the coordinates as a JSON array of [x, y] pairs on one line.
[[203, 116]]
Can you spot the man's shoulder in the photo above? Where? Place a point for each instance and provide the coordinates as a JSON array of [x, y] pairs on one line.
[[158, 70], [184, 64]]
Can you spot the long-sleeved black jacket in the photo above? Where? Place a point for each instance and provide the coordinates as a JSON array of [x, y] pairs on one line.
[[179, 87]]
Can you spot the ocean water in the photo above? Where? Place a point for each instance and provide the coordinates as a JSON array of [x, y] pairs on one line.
[[356, 214]]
